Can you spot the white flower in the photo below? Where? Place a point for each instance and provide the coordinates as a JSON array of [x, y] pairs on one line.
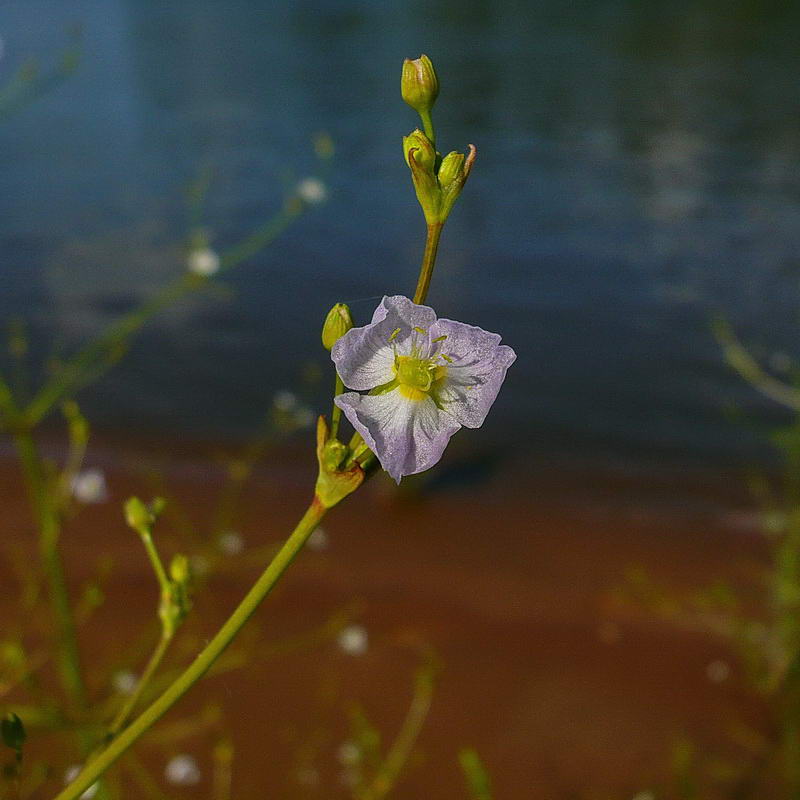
[[284, 400], [304, 417], [182, 770], [718, 671], [125, 681], [644, 796], [312, 191], [348, 754], [353, 640], [203, 261], [231, 543], [72, 773], [423, 379], [89, 486], [318, 539]]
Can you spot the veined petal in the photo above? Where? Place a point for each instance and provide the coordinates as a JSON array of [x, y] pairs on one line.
[[364, 356], [407, 435], [475, 371]]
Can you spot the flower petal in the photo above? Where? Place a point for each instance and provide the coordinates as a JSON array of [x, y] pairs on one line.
[[478, 369], [364, 356], [407, 436]]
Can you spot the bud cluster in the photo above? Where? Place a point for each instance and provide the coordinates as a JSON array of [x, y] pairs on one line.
[[438, 180]]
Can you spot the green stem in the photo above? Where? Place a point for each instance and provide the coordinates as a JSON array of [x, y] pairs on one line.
[[427, 125], [428, 261], [49, 531], [149, 671], [96, 356], [155, 560], [203, 662], [403, 745], [336, 413]]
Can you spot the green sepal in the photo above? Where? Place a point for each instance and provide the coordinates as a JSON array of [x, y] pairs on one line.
[[333, 483]]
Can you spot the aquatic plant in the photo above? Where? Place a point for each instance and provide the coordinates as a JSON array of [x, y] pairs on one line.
[[424, 379]]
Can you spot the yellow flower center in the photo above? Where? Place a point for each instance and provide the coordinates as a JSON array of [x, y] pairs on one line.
[[416, 374]]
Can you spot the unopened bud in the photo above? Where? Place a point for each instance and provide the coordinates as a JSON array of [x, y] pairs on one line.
[[424, 152], [452, 168], [13, 731], [137, 514], [337, 323], [419, 84], [179, 569]]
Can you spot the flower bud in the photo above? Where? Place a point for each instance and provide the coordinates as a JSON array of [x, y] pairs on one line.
[[137, 515], [179, 569], [419, 84], [424, 152], [13, 731], [337, 323], [452, 168]]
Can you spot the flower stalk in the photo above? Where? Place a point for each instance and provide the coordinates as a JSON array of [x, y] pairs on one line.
[[205, 659]]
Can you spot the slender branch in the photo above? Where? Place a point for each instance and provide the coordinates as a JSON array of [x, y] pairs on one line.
[[205, 659], [336, 413], [49, 532], [428, 261], [149, 671], [743, 362], [401, 748], [98, 354]]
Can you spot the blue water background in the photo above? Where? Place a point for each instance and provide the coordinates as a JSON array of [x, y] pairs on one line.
[[638, 171]]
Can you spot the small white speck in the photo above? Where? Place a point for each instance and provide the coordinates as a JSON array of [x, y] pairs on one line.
[[284, 400], [318, 540], [90, 486], [312, 191], [353, 640], [718, 671], [125, 681], [231, 543], [644, 796], [203, 261], [72, 773], [349, 753], [182, 770], [304, 417]]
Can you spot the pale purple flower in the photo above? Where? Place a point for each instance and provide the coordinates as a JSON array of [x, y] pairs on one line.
[[425, 377]]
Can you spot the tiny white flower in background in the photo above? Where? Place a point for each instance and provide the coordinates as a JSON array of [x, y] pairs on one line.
[[312, 191], [353, 640], [89, 486], [231, 543], [203, 261], [718, 671], [182, 770], [284, 400], [125, 681], [318, 539], [349, 753], [304, 417], [72, 773], [644, 796]]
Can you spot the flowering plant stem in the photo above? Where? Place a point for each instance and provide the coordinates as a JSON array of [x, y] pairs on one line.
[[203, 662], [428, 260]]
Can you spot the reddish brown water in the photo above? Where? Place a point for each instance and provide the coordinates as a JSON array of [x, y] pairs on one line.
[[565, 691]]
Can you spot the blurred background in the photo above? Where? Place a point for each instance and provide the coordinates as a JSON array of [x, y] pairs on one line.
[[636, 177]]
